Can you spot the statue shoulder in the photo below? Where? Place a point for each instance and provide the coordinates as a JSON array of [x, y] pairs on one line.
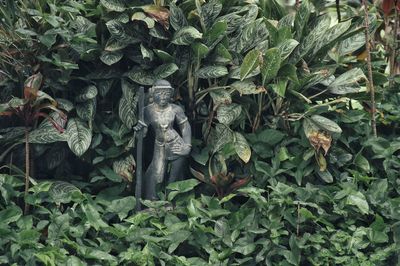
[[177, 108]]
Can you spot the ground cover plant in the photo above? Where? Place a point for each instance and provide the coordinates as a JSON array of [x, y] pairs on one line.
[[285, 168]]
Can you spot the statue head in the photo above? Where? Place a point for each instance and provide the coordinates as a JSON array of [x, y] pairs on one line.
[[161, 92]]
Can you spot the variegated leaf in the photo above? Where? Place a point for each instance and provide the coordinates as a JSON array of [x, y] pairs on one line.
[[271, 65], [140, 76], [286, 48], [301, 18], [220, 136], [165, 70], [186, 35], [177, 19], [128, 105], [104, 86], [250, 62], [46, 135], [242, 148], [347, 82], [228, 113], [87, 110], [221, 97], [210, 11], [326, 124], [125, 167], [114, 5], [79, 136], [212, 72], [89, 92], [110, 58]]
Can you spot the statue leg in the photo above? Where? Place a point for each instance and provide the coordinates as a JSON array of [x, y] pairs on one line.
[[177, 169], [155, 173]]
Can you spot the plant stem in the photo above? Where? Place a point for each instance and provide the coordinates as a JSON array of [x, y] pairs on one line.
[[393, 55], [370, 80], [27, 169]]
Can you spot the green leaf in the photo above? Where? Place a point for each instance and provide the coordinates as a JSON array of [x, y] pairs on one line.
[[183, 186], [212, 72], [351, 44], [326, 124], [143, 17], [215, 34], [88, 93], [63, 192], [280, 88], [125, 167], [87, 110], [301, 19], [93, 216], [221, 97], [250, 62], [140, 76], [122, 206], [347, 82], [46, 135], [128, 104], [146, 53], [286, 48], [226, 114], [9, 215], [165, 70], [115, 44], [79, 136], [110, 58], [358, 199], [186, 36], [110, 174], [331, 35], [270, 66], [177, 19], [114, 5], [242, 148], [164, 56], [200, 50], [210, 11]]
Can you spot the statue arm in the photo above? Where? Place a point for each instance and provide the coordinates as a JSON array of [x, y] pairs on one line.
[[184, 125]]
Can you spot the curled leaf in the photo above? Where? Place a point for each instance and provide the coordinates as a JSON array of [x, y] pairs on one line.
[[320, 139], [158, 13]]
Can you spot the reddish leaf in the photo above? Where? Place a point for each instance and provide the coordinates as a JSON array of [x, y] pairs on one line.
[[8, 113], [32, 85], [387, 6], [52, 121], [239, 183]]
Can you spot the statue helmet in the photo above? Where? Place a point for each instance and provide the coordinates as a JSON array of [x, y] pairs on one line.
[[161, 84]]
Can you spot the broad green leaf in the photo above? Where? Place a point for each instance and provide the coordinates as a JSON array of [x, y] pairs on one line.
[[246, 87], [93, 216], [186, 36], [254, 34], [181, 187], [227, 114], [280, 87], [325, 175], [358, 199], [122, 206], [79, 136], [347, 82], [215, 34], [63, 192], [177, 19], [143, 17], [164, 56], [10, 214], [220, 136], [90, 92], [110, 174], [115, 44], [128, 104], [114, 5], [250, 62], [221, 97], [207, 72], [110, 58], [270, 66], [351, 44], [242, 148], [286, 48], [165, 70], [331, 35], [200, 50], [146, 53], [140, 76], [326, 124]]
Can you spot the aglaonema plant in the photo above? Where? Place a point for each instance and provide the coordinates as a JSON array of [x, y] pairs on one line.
[[29, 110]]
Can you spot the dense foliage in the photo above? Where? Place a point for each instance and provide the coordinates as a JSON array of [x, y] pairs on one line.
[[284, 170]]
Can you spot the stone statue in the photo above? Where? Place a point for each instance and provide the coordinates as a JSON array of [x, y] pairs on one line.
[[170, 147]]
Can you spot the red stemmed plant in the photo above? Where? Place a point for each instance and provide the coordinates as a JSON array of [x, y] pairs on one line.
[[29, 110]]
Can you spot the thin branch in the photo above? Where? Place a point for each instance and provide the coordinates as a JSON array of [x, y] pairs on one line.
[[370, 80]]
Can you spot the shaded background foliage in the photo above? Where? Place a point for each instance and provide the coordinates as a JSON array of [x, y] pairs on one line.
[[277, 98]]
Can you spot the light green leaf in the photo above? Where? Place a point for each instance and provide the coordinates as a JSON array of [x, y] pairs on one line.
[[242, 148], [347, 82], [226, 114], [9, 215], [286, 48], [358, 199], [301, 18], [87, 110], [79, 136], [200, 50], [186, 35], [46, 135], [128, 104], [146, 53], [250, 62], [181, 187], [114, 5], [93, 216], [122, 206], [326, 124], [270, 65], [212, 72], [246, 87], [221, 97], [140, 76], [143, 17], [164, 56], [115, 44]]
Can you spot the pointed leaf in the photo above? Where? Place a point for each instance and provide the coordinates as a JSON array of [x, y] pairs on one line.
[[186, 36], [79, 136], [271, 65], [212, 72], [242, 148], [250, 62]]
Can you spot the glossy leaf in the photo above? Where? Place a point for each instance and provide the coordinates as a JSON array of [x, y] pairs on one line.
[[79, 136], [186, 36], [271, 64]]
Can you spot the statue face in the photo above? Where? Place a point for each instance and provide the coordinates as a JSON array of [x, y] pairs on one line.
[[162, 96]]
